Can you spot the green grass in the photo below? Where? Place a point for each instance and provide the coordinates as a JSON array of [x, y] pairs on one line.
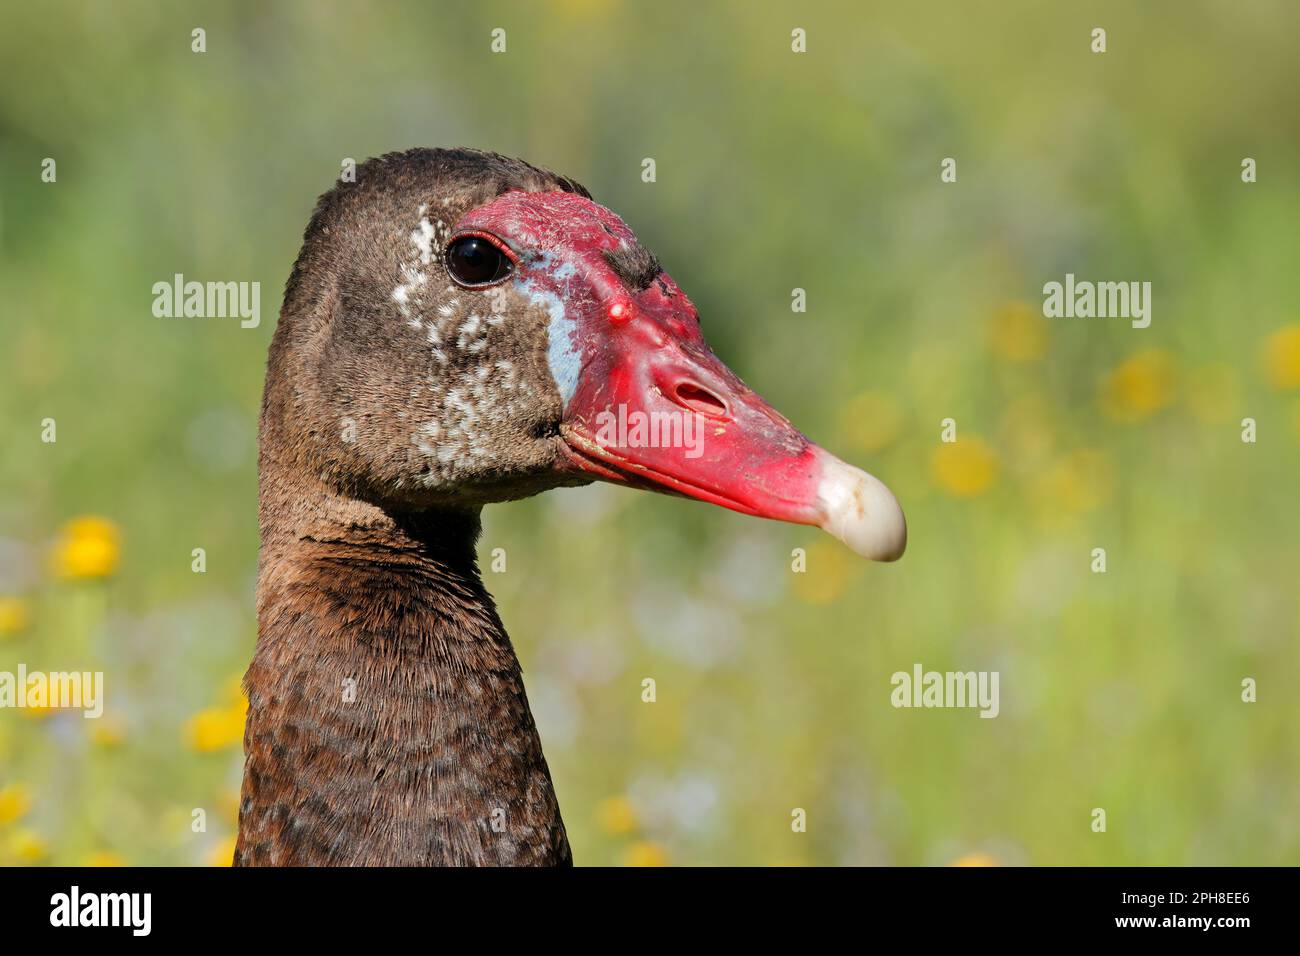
[[775, 171]]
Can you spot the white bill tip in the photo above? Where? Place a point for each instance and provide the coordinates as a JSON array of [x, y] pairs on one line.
[[858, 509]]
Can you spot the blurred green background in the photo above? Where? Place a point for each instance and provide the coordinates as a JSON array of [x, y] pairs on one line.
[[775, 171]]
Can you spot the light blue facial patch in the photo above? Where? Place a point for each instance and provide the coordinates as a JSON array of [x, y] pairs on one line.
[[562, 355]]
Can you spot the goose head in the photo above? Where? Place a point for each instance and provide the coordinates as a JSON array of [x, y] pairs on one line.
[[464, 328]]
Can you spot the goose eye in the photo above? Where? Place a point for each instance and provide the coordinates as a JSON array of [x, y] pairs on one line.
[[473, 261]]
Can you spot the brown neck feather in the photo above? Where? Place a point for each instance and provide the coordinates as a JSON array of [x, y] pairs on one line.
[[387, 718]]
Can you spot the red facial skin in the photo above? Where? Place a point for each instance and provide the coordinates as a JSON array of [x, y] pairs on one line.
[[644, 351]]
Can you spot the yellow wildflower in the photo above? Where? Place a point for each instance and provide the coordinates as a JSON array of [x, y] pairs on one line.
[[645, 853], [975, 859], [14, 802], [1140, 386], [88, 547], [964, 468], [104, 858], [108, 733], [13, 615], [28, 847], [223, 854], [1018, 333], [36, 711], [217, 728], [616, 815], [1281, 357]]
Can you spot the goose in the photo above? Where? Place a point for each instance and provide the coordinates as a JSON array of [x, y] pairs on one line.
[[458, 328]]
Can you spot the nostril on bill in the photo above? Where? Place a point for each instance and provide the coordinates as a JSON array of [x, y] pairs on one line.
[[696, 398]]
